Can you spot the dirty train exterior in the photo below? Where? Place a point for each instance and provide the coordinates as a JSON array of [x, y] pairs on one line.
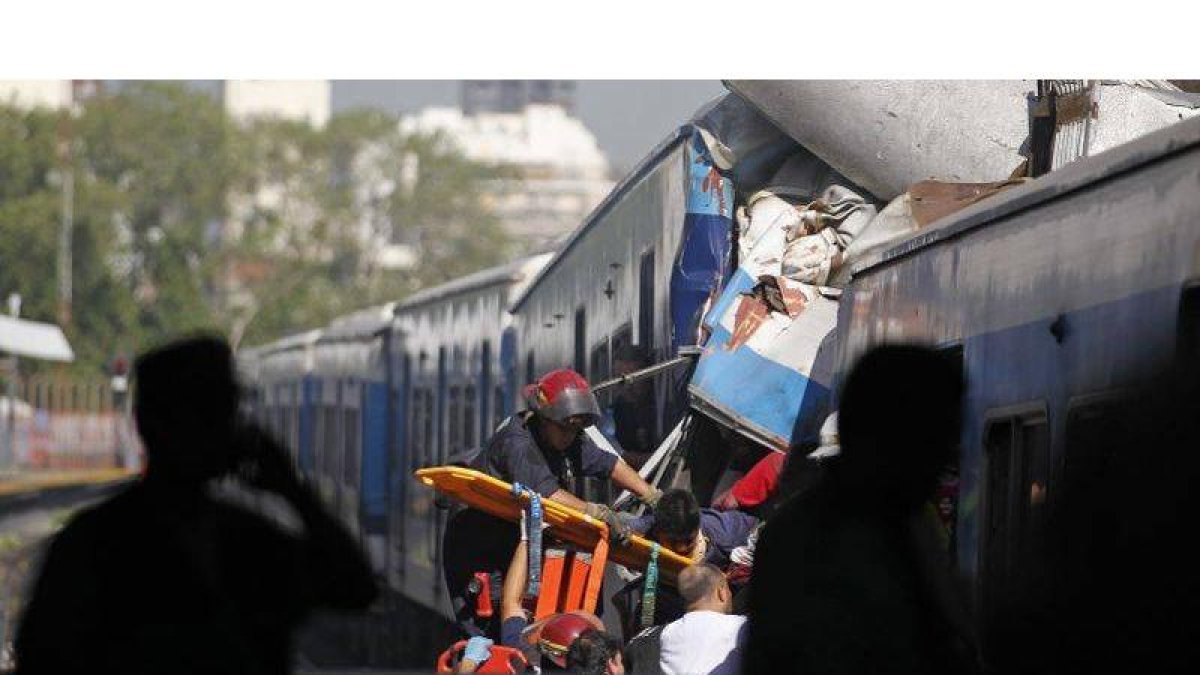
[[779, 233]]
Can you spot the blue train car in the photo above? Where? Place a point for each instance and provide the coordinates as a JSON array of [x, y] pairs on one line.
[[352, 404], [285, 392], [456, 379], [639, 273], [1059, 297]]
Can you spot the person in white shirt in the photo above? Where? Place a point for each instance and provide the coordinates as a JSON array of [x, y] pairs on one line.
[[707, 639]]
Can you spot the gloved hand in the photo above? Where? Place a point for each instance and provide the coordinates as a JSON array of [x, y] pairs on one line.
[[651, 500], [618, 530], [478, 650]]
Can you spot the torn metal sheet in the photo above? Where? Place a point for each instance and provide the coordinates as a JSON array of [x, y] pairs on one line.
[[1092, 116], [762, 370], [766, 369], [880, 134], [702, 264]]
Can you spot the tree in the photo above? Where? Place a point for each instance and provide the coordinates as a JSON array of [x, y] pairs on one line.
[[170, 155], [339, 196], [185, 219]]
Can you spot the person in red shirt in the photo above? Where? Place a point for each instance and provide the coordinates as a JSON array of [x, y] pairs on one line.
[[760, 485]]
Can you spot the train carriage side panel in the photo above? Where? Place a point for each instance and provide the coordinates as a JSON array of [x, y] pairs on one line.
[[351, 354], [447, 329], [636, 273], [1060, 294]]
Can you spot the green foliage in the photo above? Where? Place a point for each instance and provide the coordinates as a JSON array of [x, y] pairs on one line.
[[186, 220]]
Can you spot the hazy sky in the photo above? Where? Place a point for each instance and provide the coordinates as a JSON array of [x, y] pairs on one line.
[[628, 117]]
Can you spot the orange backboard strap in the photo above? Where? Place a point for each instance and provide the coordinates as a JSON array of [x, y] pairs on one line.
[[595, 576], [553, 567]]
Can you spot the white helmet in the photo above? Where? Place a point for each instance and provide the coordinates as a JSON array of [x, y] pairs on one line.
[[830, 443]]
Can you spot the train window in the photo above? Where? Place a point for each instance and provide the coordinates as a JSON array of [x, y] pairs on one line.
[[499, 411], [1017, 475], [454, 421], [530, 368], [352, 451], [645, 336], [429, 451], [438, 440], [417, 425], [1188, 326], [1097, 429], [293, 432], [330, 448], [633, 406], [470, 423], [318, 435], [487, 405], [414, 429], [580, 361], [598, 368]]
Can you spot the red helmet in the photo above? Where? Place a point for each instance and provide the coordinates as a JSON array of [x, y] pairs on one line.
[[562, 394], [560, 631]]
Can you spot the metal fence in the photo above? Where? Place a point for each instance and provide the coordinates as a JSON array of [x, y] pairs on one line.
[[61, 423]]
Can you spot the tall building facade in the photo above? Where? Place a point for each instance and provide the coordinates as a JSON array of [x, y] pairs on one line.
[[302, 100], [512, 96], [561, 172], [53, 94]]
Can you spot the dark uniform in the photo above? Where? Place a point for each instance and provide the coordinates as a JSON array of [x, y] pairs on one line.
[[723, 531], [478, 542]]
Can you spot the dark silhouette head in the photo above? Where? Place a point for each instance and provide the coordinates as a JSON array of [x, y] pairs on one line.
[[185, 404], [594, 652], [900, 421], [677, 520]]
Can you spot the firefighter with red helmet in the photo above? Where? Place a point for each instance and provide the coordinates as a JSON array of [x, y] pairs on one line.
[[544, 448]]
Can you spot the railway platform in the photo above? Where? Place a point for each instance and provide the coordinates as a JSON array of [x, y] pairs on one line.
[[23, 486]]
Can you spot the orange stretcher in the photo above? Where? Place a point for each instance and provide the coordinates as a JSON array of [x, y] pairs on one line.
[[495, 496]]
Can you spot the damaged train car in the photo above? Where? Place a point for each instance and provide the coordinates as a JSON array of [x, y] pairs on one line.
[[867, 170]]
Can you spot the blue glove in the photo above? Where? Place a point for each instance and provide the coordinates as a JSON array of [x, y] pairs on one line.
[[478, 649]]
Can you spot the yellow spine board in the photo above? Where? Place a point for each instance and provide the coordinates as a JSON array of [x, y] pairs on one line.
[[494, 496]]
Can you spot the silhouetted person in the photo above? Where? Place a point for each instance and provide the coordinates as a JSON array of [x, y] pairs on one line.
[[166, 578], [842, 582]]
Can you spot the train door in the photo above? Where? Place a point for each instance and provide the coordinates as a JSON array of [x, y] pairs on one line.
[[350, 471], [307, 424], [420, 543], [487, 399], [400, 468], [506, 391], [1016, 442], [329, 447]]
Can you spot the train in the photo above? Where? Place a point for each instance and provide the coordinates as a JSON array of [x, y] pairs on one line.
[[1029, 289]]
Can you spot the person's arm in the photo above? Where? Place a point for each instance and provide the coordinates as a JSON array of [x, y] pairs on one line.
[[476, 653], [567, 499], [336, 573], [628, 479], [617, 528], [515, 581]]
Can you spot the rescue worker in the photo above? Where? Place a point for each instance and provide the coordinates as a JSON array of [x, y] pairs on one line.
[[702, 534], [552, 636], [545, 450]]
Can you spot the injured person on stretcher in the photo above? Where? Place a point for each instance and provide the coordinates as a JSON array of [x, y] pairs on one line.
[[702, 534]]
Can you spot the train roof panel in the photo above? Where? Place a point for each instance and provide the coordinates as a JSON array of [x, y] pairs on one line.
[[296, 341], [363, 323], [643, 168], [519, 270], [1074, 176]]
